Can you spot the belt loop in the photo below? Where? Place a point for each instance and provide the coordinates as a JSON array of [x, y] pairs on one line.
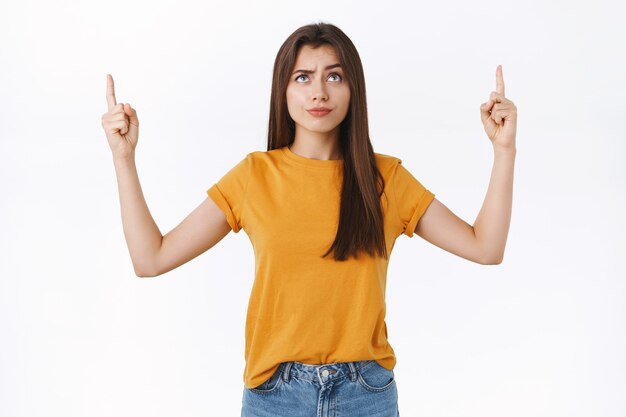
[[286, 371], [352, 371]]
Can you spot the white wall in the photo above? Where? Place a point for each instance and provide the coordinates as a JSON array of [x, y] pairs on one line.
[[542, 334]]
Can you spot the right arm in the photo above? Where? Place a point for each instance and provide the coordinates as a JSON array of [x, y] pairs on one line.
[[143, 237], [153, 254]]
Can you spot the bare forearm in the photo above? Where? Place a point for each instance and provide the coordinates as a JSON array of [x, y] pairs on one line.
[[143, 236], [492, 223]]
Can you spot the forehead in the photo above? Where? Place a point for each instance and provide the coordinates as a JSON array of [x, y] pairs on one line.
[[309, 57]]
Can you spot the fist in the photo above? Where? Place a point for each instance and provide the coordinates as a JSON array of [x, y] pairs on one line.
[[120, 124]]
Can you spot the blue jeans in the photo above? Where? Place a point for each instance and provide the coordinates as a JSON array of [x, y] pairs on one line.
[[340, 389]]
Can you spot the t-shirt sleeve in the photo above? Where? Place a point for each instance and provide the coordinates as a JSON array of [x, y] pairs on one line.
[[229, 193], [412, 198]]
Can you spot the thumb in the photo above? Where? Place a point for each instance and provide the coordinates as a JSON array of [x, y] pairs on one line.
[[131, 113], [484, 111], [133, 128]]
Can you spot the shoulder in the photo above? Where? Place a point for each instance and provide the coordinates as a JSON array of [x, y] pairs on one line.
[[263, 159], [264, 155], [387, 164], [259, 157], [384, 159]]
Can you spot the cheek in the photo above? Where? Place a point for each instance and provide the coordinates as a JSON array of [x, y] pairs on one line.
[[345, 99], [292, 99], [345, 96]]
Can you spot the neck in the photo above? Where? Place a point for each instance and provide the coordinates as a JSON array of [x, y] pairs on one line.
[[317, 145]]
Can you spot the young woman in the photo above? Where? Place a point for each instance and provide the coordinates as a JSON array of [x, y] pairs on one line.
[[322, 211]]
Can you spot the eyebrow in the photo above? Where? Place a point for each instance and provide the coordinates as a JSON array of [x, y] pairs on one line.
[[310, 72]]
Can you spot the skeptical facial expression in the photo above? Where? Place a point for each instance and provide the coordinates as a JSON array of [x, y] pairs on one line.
[[317, 81]]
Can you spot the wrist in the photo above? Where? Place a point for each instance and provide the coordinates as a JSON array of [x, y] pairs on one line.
[[124, 159], [505, 150]]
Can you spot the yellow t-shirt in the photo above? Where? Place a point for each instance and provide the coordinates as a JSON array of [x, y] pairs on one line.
[[304, 307]]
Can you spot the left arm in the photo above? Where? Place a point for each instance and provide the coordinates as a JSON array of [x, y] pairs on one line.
[[484, 242], [491, 227]]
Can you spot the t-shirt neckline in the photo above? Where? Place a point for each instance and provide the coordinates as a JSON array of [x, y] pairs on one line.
[[319, 163]]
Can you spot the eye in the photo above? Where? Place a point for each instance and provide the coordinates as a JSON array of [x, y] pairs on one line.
[[335, 74]]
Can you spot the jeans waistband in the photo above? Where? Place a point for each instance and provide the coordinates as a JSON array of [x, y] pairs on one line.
[[322, 373]]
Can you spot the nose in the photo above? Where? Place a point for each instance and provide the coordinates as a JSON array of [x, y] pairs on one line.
[[319, 91]]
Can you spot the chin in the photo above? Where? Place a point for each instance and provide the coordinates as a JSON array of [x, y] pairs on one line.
[[318, 130], [322, 127]]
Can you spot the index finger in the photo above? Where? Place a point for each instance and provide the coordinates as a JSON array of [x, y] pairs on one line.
[[110, 92], [499, 80]]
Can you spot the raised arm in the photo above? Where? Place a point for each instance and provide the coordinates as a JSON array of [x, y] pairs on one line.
[[485, 241], [198, 232], [153, 254]]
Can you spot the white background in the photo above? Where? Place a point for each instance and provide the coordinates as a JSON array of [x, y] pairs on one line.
[[542, 334]]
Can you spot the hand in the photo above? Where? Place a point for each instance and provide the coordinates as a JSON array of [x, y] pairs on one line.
[[120, 124], [499, 116]]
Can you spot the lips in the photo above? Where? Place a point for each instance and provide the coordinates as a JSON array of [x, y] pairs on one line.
[[319, 112]]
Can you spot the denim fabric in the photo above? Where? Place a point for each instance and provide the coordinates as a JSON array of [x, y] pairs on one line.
[[340, 389]]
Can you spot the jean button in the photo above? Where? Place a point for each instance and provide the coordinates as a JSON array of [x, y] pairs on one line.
[[325, 373]]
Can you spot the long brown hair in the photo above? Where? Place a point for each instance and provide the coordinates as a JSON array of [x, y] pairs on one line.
[[360, 216]]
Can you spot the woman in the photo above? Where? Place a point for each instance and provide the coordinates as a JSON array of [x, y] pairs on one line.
[[322, 211]]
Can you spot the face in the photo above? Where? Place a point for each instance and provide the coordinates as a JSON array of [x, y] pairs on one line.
[[316, 81]]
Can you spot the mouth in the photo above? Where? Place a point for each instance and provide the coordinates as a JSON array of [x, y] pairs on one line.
[[319, 113]]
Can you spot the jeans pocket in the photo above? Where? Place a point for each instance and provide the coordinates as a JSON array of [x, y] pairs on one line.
[[271, 384], [374, 377]]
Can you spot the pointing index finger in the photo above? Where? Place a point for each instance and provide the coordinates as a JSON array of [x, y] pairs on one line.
[[110, 92], [499, 80]]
